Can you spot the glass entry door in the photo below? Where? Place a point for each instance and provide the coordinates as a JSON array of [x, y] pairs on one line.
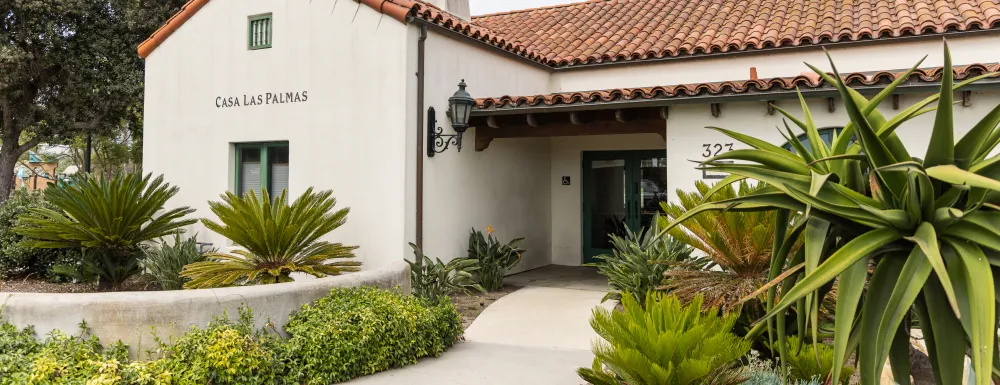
[[621, 189]]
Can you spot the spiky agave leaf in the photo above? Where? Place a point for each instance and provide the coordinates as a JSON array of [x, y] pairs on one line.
[[922, 224], [276, 240]]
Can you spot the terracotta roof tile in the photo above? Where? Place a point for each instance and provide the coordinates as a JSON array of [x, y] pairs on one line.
[[617, 30], [803, 81]]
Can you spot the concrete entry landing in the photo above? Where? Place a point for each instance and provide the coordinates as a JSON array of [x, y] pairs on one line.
[[539, 334], [563, 277]]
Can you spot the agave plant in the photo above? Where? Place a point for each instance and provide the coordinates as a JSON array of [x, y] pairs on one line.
[[737, 243], [109, 218], [928, 228], [638, 261], [276, 238], [165, 261], [434, 279], [495, 258], [661, 342]]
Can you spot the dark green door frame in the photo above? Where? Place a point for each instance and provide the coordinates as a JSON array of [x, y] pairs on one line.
[[633, 200]]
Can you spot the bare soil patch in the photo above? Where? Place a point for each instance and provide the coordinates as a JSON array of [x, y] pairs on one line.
[[39, 285], [470, 306]]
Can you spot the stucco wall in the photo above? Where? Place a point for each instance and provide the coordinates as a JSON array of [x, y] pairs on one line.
[[851, 58], [507, 186], [349, 136], [567, 201], [133, 317]]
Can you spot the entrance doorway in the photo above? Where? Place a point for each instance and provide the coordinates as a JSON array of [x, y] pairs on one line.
[[621, 189]]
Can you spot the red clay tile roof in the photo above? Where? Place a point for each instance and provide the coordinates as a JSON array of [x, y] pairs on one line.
[[619, 30], [804, 81]]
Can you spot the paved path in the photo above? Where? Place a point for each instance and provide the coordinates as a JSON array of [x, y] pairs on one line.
[[536, 335]]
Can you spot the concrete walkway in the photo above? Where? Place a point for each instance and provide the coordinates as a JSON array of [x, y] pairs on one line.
[[536, 335]]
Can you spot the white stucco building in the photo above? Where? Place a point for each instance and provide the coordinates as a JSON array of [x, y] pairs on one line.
[[587, 113]]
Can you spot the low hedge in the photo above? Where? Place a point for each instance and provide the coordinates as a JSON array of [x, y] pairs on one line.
[[356, 332], [350, 333]]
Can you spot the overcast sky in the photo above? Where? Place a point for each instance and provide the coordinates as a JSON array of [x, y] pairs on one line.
[[482, 7]]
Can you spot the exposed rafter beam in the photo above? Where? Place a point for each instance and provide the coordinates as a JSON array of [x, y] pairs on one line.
[[531, 119], [716, 109]]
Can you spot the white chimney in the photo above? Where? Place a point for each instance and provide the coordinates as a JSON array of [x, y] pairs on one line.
[[458, 8]]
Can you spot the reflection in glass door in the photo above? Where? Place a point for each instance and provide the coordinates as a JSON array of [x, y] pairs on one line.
[[621, 189]]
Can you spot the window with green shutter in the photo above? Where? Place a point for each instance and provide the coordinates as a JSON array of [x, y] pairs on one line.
[[260, 31], [260, 166]]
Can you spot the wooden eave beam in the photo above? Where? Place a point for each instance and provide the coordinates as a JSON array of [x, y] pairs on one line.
[[486, 134]]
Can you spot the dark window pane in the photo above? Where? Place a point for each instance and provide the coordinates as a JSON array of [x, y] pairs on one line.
[[608, 215], [278, 156], [249, 169]]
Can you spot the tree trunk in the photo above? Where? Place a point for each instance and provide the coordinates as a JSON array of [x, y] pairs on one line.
[[8, 160]]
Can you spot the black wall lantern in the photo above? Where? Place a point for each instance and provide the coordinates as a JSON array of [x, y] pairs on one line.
[[459, 109]]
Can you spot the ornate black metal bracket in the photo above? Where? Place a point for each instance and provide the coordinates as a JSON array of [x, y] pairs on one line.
[[437, 140]]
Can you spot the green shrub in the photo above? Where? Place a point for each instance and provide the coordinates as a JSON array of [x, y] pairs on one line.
[[665, 343], [17, 259], [277, 240], [165, 261], [495, 258], [60, 359], [225, 352], [639, 260], [109, 218], [434, 279], [16, 348], [356, 332]]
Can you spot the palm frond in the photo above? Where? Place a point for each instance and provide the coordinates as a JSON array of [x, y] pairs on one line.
[[275, 238]]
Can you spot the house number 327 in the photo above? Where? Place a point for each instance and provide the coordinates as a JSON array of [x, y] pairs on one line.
[[714, 149]]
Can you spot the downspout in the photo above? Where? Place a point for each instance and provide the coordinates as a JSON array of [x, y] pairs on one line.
[[421, 132]]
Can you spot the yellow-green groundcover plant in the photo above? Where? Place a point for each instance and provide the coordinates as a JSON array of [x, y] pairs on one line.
[[928, 228]]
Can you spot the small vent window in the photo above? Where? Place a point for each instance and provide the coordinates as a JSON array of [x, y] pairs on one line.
[[260, 32]]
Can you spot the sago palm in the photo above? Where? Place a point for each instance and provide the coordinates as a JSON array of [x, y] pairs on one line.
[[737, 243], [108, 218], [661, 343], [276, 238], [927, 227]]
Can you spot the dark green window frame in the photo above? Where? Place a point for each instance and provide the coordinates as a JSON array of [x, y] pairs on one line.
[[265, 162], [260, 30]]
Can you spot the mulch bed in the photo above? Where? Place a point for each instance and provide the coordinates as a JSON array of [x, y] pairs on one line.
[[38, 285], [470, 306]]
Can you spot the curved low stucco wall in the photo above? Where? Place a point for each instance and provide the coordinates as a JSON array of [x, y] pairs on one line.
[[132, 316]]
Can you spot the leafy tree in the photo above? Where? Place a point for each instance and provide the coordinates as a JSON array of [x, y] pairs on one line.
[[69, 67]]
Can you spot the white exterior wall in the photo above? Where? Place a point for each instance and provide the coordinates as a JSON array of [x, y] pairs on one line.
[[899, 55], [507, 186], [349, 136]]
